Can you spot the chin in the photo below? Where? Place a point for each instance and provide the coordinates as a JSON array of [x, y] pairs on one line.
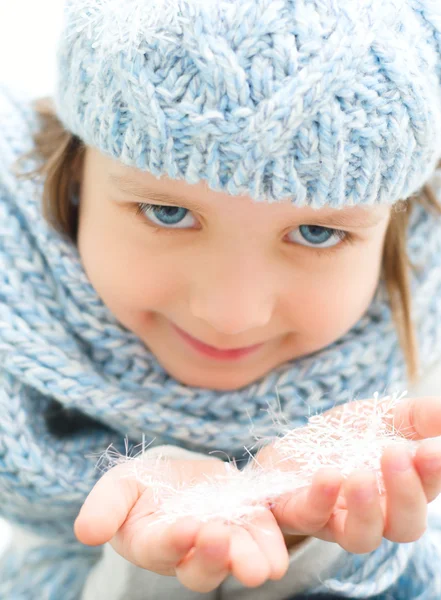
[[223, 382]]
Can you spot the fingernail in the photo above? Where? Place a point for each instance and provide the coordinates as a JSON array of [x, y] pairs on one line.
[[216, 551], [367, 492], [331, 489], [432, 456], [402, 461], [433, 462]]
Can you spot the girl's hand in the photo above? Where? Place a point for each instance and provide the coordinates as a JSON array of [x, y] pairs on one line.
[[352, 512], [201, 555]]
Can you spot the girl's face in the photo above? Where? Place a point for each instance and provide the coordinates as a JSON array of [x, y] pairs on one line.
[[225, 270]]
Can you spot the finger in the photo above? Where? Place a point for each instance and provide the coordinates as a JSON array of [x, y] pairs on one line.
[[107, 506], [249, 564], [156, 546], [308, 510], [427, 463], [359, 529], [406, 516], [417, 418], [268, 537], [208, 564]]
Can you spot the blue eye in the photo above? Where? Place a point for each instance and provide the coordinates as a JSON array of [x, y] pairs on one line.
[[175, 217], [167, 216], [319, 237]]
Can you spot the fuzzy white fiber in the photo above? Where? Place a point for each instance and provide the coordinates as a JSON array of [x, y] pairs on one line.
[[114, 26], [350, 437]]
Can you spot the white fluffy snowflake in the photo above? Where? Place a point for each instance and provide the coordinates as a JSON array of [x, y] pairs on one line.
[[349, 438]]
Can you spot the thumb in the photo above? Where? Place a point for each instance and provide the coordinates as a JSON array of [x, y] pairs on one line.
[[107, 506]]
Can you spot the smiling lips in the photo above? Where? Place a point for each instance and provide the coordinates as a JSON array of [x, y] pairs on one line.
[[214, 352]]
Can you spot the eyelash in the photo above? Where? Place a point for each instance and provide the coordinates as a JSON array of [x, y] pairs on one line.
[[346, 237]]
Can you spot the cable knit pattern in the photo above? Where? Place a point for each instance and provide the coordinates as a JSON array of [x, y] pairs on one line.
[[330, 103], [271, 98]]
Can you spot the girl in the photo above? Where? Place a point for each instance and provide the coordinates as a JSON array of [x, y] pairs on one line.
[[225, 201]]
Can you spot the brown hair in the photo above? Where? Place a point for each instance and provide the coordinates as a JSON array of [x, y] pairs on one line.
[[62, 154]]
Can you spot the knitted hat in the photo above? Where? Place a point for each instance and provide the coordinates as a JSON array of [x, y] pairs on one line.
[[328, 102]]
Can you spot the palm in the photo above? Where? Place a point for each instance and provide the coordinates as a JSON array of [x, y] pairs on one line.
[[144, 527], [255, 551]]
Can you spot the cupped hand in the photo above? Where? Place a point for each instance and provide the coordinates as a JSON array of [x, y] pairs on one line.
[[122, 511], [351, 512]]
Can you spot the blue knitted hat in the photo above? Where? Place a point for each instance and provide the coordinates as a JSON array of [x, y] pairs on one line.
[[328, 102]]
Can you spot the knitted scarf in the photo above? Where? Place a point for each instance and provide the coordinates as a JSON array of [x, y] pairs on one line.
[[61, 349]]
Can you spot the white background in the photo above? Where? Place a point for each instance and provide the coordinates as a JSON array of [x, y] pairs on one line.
[[29, 31]]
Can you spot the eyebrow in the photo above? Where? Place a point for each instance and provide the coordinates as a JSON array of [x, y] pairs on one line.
[[130, 186], [338, 217]]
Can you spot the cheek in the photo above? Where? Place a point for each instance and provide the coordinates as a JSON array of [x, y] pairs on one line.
[[338, 297], [122, 270]]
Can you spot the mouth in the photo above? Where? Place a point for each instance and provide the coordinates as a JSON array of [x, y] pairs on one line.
[[212, 351]]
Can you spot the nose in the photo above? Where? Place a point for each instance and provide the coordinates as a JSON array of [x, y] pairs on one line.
[[233, 294]]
